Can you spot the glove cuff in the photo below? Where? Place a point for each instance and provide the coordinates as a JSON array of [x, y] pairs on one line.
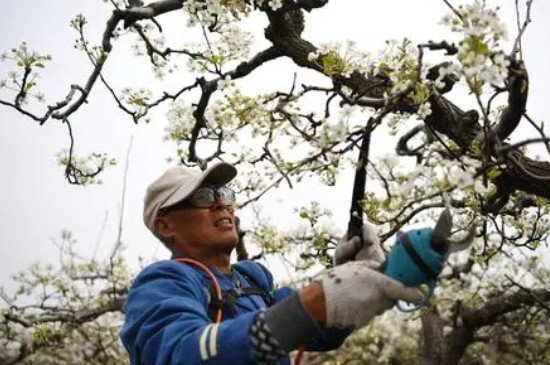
[[291, 324], [335, 303]]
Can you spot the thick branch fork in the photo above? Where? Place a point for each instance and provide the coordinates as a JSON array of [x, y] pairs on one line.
[[134, 14], [450, 349]]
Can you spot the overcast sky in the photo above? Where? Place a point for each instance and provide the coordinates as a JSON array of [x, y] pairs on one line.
[[37, 203]]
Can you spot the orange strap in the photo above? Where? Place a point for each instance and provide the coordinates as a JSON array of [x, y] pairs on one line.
[[301, 349], [300, 355], [213, 278]]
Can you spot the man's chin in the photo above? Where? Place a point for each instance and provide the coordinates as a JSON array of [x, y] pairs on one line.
[[228, 243]]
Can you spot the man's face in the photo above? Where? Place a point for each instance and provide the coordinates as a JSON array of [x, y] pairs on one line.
[[200, 232]]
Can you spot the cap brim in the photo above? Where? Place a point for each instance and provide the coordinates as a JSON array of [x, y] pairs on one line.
[[218, 175]]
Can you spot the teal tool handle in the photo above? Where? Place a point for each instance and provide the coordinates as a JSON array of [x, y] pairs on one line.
[[414, 262]]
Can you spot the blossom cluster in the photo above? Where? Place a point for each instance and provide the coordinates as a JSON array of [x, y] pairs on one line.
[[161, 65], [234, 112], [213, 13], [398, 61], [85, 168], [180, 122], [137, 99], [532, 225], [408, 185], [270, 239], [341, 59], [275, 4], [234, 117], [482, 61], [314, 213], [237, 110], [388, 337], [210, 13], [27, 61], [229, 43], [332, 133]]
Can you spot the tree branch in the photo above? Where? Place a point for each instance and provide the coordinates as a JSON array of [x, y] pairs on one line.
[[209, 87], [518, 88], [498, 306], [76, 317]]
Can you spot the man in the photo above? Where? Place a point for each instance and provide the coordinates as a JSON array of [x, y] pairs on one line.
[[172, 305]]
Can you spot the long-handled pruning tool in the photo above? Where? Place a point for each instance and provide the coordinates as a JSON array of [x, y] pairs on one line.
[[418, 255]]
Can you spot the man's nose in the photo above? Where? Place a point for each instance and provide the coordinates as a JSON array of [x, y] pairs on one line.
[[220, 203]]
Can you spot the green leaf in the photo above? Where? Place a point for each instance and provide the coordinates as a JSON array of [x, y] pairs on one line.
[[29, 85], [216, 59], [494, 173]]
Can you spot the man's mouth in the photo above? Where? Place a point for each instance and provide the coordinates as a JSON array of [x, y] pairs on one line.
[[224, 222]]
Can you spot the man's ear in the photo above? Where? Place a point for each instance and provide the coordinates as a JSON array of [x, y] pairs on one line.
[[164, 228]]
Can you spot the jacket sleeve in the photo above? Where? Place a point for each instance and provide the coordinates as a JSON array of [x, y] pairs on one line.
[[330, 338], [166, 322]]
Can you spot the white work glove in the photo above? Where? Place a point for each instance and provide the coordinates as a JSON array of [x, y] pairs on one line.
[[352, 249], [355, 293]]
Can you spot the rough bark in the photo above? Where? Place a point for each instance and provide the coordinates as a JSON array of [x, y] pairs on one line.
[[433, 347], [449, 350]]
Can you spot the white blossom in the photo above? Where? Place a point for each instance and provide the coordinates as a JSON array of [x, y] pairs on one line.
[[460, 177], [225, 83], [275, 4], [389, 160], [312, 56], [480, 188], [424, 110], [481, 58]]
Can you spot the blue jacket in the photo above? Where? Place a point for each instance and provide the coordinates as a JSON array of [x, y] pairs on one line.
[[167, 322]]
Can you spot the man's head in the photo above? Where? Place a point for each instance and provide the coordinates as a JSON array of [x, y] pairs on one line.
[[192, 211]]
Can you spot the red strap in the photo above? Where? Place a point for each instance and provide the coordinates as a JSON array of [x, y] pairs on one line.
[[212, 277]]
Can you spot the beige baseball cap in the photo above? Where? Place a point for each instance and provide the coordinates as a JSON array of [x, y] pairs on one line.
[[177, 183]]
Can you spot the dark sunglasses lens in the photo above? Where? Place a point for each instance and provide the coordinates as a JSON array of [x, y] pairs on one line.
[[203, 198], [227, 196], [206, 197]]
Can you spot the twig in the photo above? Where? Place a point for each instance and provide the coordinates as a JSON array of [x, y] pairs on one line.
[[402, 149], [100, 235], [209, 87], [529, 291], [41, 120], [405, 220], [520, 48], [23, 92], [444, 144], [456, 12], [515, 146], [205, 35], [118, 241], [172, 97], [539, 129], [362, 101], [517, 43], [71, 147], [450, 49]]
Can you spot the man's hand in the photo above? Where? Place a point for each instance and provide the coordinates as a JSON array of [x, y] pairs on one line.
[[353, 249], [354, 293]]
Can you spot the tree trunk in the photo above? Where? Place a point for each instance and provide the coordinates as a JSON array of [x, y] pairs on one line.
[[434, 347]]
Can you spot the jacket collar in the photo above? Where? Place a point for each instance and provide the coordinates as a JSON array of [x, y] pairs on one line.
[[181, 255]]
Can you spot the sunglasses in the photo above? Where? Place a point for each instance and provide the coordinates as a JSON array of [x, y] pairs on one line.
[[205, 197]]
